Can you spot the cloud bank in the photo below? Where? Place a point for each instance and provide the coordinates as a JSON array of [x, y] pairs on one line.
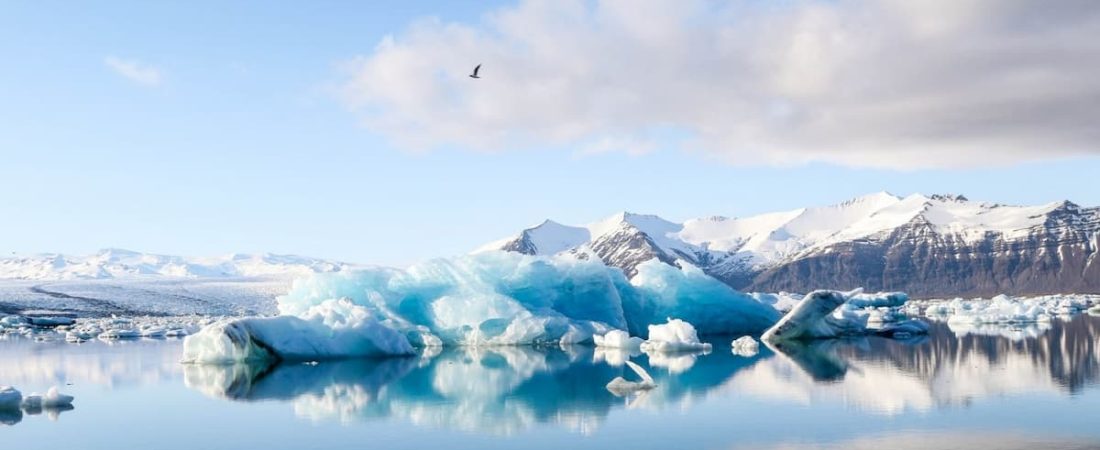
[[135, 71], [891, 83]]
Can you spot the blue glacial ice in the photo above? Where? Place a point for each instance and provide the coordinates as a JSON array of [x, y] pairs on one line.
[[494, 298]]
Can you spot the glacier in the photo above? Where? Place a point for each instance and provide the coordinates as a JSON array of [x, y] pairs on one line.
[[492, 298]]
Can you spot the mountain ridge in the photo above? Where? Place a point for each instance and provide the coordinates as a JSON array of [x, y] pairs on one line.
[[942, 244]]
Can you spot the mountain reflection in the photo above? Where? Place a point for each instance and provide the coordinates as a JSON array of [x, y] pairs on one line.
[[503, 390], [944, 369]]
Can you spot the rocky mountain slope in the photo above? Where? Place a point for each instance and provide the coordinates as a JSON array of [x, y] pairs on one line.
[[939, 245]]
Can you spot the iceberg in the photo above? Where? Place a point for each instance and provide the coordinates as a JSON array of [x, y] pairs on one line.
[[827, 314], [52, 400], [745, 346], [674, 336], [331, 329], [493, 298], [10, 398]]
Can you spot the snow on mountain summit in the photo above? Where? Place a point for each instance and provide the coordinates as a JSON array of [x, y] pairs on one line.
[[947, 233]]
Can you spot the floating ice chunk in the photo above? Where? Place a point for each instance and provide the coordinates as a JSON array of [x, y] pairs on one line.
[[13, 322], [621, 387], [829, 314], [47, 321], [674, 336], [861, 299], [176, 332], [10, 398], [618, 339], [78, 336], [118, 333], [745, 346], [55, 399], [52, 402], [808, 319], [154, 332], [332, 329]]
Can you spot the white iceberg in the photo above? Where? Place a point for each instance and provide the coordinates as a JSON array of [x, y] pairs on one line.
[[10, 398], [330, 330], [745, 346], [674, 336], [618, 339], [621, 387]]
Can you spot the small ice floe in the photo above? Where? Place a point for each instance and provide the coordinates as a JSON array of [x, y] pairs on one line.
[[745, 346], [77, 336], [50, 321], [1004, 309], [673, 336], [13, 322], [618, 339], [621, 387], [175, 333], [53, 403], [116, 334], [154, 332], [10, 398]]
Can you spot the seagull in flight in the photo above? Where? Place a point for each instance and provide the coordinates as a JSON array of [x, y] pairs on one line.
[[474, 75]]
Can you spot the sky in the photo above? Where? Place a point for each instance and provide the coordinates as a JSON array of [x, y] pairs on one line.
[[350, 130]]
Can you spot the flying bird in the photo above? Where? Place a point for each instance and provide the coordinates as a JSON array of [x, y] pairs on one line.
[[474, 75]]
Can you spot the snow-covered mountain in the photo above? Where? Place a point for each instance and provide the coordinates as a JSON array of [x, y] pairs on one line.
[[927, 245], [117, 263]]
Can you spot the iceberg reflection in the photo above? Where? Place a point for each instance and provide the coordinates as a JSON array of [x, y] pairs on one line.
[[501, 390]]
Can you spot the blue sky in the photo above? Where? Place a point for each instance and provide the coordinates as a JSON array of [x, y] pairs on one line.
[[243, 140]]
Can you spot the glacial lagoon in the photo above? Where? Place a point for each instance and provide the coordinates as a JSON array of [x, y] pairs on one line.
[[1027, 386]]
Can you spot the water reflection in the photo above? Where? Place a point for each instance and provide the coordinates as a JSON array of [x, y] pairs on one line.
[[947, 368], [498, 390], [25, 362], [506, 390]]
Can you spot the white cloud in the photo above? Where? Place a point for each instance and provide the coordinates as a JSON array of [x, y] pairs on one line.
[[135, 71], [892, 83]]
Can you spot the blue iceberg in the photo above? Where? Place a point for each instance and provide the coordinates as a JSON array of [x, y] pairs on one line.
[[494, 298]]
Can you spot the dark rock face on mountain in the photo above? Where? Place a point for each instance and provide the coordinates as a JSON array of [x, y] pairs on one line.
[[627, 247], [928, 246], [1060, 256]]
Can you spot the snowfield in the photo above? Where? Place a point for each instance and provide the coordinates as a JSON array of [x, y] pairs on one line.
[[124, 282]]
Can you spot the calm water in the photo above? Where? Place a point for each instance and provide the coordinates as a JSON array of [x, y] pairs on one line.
[[987, 388]]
